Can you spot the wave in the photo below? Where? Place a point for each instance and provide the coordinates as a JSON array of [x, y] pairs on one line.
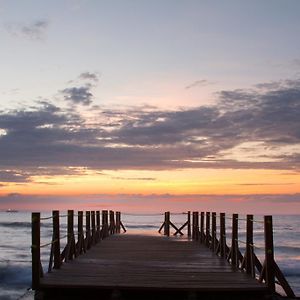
[[15, 224], [288, 272], [12, 275], [288, 249]]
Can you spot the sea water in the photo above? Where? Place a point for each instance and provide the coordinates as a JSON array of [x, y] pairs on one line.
[[15, 245]]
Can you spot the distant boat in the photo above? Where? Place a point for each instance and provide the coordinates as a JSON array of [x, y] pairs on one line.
[[12, 210]]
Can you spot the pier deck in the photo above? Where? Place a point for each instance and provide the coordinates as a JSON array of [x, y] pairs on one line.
[[148, 267]]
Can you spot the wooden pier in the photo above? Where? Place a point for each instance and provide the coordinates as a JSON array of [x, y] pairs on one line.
[[102, 263]]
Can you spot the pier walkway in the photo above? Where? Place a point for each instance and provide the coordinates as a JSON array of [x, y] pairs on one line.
[[131, 266]]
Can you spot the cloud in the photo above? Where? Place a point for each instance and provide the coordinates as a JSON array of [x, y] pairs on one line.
[[12, 176], [78, 95], [198, 83], [89, 76], [248, 128], [34, 31]]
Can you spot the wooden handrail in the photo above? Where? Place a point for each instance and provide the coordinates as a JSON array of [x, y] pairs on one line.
[[268, 272], [85, 239]]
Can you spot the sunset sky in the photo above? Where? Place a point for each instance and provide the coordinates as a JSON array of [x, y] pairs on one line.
[[150, 105]]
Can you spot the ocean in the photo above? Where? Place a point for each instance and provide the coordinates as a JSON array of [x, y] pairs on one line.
[[15, 242]]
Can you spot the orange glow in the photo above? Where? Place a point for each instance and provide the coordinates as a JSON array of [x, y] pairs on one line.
[[177, 182]]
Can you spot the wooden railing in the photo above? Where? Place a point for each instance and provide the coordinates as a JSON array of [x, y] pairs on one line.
[[205, 230], [93, 233]]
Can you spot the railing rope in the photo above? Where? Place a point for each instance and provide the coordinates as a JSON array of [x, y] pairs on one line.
[[268, 272], [93, 234]]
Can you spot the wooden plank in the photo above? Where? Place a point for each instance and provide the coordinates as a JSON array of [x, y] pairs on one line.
[[150, 262]]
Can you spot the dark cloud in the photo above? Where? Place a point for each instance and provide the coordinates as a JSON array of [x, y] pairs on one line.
[[34, 31], [47, 138], [197, 83], [78, 95], [89, 76], [13, 176]]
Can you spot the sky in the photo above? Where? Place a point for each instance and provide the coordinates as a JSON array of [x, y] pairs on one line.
[[150, 105]]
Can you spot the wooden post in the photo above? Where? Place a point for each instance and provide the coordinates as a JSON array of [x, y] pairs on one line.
[[213, 231], [88, 229], [35, 249], [249, 243], [269, 253], [97, 226], [222, 235], [81, 245], [121, 224], [207, 231], [93, 218], [105, 223], [189, 224], [195, 233], [56, 240], [70, 237], [112, 222], [167, 224], [234, 240], [202, 227], [118, 222], [193, 225]]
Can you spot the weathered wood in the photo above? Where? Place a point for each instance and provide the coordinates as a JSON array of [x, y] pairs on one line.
[[123, 227], [88, 229], [283, 282], [161, 227], [195, 234], [105, 229], [207, 229], [210, 269], [56, 239], [222, 235], [189, 224], [234, 241], [98, 226], [35, 248], [93, 232], [202, 235], [249, 244], [118, 220], [71, 237], [179, 230], [80, 243], [167, 224], [213, 245], [269, 253], [111, 222], [152, 264]]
